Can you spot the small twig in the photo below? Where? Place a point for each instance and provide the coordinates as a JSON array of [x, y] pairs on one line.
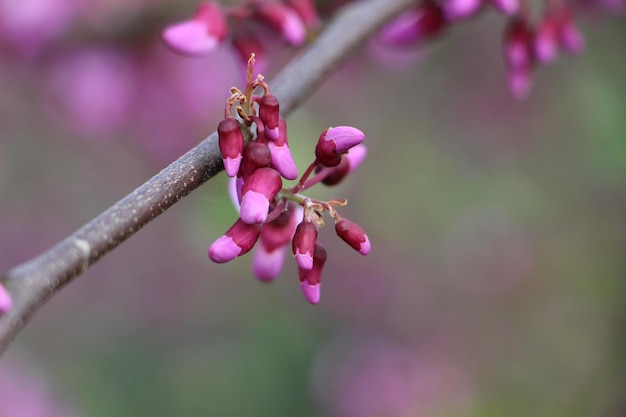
[[34, 282]]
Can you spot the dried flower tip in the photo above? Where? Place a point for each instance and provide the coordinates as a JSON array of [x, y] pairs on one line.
[[237, 240], [310, 278], [334, 142], [200, 34], [303, 244], [231, 143], [5, 300], [257, 193], [269, 113], [353, 235], [284, 20]]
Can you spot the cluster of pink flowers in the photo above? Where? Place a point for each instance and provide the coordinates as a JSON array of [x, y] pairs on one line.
[[531, 37], [269, 213], [209, 27]]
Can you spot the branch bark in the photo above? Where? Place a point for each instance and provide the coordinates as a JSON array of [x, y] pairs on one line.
[[34, 282]]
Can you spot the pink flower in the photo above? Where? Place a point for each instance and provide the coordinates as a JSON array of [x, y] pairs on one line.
[[256, 194], [269, 114], [353, 235], [303, 245], [284, 20], [417, 24], [231, 145], [349, 162], [310, 278], [5, 300], [460, 9], [335, 141], [237, 240], [282, 160], [200, 34]]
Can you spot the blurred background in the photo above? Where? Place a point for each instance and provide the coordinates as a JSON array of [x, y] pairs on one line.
[[497, 275]]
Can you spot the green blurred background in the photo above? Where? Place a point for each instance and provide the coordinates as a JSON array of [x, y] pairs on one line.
[[495, 285]]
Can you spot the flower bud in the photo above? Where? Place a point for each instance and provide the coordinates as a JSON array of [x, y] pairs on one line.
[[5, 300], [545, 40], [335, 141], [256, 155], [460, 9], [200, 34], [280, 231], [284, 20], [348, 163], [353, 235], [237, 240], [508, 7], [231, 145], [282, 160], [266, 264], [257, 193], [307, 12], [310, 278], [303, 244], [269, 113], [417, 24], [519, 57]]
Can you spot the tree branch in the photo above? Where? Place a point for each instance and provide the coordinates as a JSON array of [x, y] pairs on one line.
[[34, 282]]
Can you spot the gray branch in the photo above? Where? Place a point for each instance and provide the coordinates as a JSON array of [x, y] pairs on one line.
[[34, 282]]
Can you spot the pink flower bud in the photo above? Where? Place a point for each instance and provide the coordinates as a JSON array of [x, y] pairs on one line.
[[460, 9], [266, 264], [5, 300], [269, 114], [231, 145], [282, 160], [569, 35], [348, 163], [237, 240], [257, 193], [307, 12], [517, 44], [200, 34], [279, 231], [335, 141], [310, 278], [303, 244], [256, 155], [417, 24], [545, 40], [353, 235], [284, 20]]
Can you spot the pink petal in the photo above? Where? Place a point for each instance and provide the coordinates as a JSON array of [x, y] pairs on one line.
[[311, 292], [190, 37]]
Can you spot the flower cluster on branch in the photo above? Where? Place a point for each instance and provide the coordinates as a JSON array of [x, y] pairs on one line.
[[269, 213]]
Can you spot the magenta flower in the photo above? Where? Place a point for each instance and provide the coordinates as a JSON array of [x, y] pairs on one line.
[[255, 155], [231, 145], [269, 114], [266, 264], [417, 24], [460, 9], [282, 160], [200, 34], [237, 240], [303, 246], [349, 163], [307, 12], [334, 142], [283, 19], [5, 300], [256, 194], [353, 235], [518, 43], [310, 278]]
